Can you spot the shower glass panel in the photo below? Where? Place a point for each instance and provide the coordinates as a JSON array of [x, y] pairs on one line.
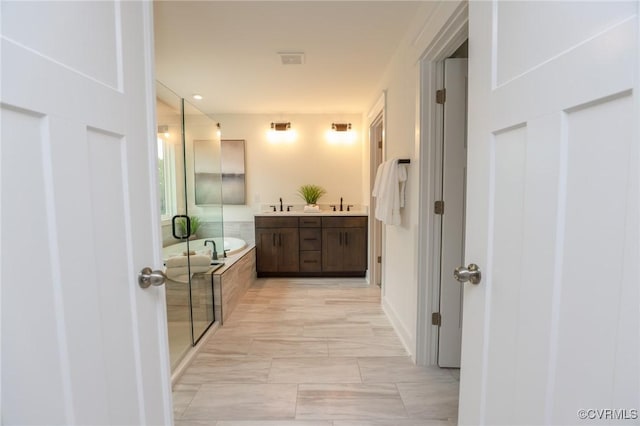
[[204, 204], [190, 201], [171, 173]]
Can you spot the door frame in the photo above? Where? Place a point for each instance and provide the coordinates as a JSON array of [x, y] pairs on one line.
[[450, 37], [377, 114]]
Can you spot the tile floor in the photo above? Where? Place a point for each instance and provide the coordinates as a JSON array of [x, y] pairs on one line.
[[311, 352]]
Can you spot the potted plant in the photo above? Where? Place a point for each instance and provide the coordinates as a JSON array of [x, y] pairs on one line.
[[195, 224], [311, 194]]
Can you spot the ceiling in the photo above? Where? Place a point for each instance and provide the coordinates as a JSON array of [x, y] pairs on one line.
[[227, 51]]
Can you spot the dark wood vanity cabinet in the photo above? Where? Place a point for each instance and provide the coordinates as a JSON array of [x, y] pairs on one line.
[[344, 244], [310, 244], [277, 245], [324, 246]]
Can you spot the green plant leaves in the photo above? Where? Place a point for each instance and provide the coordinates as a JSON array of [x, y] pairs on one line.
[[311, 193], [195, 224]]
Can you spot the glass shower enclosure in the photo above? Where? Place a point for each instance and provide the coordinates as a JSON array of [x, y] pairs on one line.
[[191, 208]]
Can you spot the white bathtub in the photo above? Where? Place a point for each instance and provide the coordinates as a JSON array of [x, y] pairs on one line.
[[231, 246]]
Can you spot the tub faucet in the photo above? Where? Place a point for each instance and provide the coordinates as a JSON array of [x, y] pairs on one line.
[[280, 203], [214, 255]]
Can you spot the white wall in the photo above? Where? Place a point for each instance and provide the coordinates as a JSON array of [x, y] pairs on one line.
[[402, 85], [277, 170], [200, 127]]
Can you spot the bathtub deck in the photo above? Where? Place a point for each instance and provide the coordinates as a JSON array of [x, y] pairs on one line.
[[232, 280]]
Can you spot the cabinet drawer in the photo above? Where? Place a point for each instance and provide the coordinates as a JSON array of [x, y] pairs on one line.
[[310, 222], [344, 222], [276, 222], [310, 238], [310, 261]]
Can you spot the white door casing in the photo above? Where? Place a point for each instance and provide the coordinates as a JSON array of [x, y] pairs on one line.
[[376, 119], [453, 186], [552, 214], [376, 130], [82, 343]]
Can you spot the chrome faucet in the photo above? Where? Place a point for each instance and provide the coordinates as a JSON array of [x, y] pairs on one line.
[[214, 255]]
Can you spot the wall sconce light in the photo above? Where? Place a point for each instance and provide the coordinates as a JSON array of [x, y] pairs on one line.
[[281, 127], [219, 131], [281, 132], [341, 127], [341, 133]]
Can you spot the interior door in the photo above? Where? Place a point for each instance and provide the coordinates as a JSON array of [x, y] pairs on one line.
[[82, 342], [552, 214], [453, 188]]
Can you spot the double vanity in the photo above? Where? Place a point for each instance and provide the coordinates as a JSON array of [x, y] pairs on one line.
[[322, 244]]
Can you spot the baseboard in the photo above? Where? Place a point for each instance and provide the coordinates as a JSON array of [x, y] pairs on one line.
[[188, 358], [401, 331]]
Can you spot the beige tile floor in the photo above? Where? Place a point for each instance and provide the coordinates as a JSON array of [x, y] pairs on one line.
[[311, 352]]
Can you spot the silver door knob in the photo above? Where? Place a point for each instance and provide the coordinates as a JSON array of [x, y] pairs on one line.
[[471, 273], [148, 277]]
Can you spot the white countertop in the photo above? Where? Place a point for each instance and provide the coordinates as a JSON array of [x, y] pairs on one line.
[[320, 213]]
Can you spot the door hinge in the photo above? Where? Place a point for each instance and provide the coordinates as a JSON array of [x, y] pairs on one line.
[[379, 259], [380, 144], [441, 96], [436, 319], [438, 207]]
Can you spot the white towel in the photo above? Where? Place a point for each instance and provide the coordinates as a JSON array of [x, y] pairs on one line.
[[201, 258], [377, 185], [181, 273], [389, 189]]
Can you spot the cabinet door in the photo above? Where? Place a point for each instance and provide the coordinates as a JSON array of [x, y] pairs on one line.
[[266, 250], [332, 248], [288, 250], [354, 255]]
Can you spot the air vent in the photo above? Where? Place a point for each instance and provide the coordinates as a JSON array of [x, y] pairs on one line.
[[291, 58]]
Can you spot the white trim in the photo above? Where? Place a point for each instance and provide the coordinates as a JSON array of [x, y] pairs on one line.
[[378, 109], [154, 204], [380, 105], [429, 224], [400, 329], [448, 39]]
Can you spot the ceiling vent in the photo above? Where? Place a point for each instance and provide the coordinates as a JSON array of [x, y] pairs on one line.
[[291, 58]]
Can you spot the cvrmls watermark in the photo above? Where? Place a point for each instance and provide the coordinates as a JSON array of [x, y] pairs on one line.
[[608, 414]]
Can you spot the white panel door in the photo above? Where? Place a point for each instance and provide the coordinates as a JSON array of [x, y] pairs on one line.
[[552, 215], [453, 188], [82, 343]]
